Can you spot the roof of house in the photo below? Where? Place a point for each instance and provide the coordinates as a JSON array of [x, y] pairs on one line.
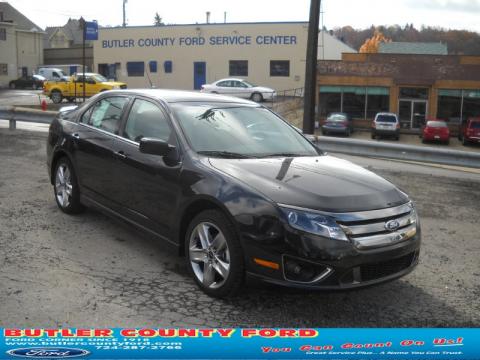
[[71, 29], [10, 14], [418, 48]]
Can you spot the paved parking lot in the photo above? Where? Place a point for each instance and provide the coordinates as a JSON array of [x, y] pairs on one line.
[[89, 270]]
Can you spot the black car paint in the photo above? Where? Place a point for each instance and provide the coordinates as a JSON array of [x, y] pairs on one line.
[[162, 194]]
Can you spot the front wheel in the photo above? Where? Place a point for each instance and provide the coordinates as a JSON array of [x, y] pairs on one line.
[[257, 97], [67, 193], [214, 255], [56, 97]]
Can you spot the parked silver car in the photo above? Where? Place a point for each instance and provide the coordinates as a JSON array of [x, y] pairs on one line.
[[240, 88]]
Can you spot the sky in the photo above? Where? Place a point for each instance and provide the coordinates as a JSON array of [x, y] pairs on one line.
[[450, 14]]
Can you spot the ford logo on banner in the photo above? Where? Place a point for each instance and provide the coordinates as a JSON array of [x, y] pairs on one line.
[[49, 353]]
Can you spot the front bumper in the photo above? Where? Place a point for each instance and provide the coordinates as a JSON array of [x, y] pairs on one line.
[[335, 264], [334, 129]]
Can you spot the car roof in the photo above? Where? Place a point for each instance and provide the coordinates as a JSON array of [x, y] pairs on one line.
[[230, 79], [174, 96]]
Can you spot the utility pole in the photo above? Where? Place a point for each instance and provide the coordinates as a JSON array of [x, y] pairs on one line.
[[311, 69], [124, 15], [84, 29]]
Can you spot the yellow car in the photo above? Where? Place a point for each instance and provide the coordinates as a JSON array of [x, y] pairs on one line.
[[73, 88]]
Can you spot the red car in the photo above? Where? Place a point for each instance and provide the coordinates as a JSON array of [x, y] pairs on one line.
[[470, 131], [436, 130]]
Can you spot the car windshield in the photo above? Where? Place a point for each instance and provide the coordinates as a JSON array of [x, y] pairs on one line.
[[337, 117], [99, 78], [239, 131], [249, 84], [475, 125], [436, 124], [386, 118]]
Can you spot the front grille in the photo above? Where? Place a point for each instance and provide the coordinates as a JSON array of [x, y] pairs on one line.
[[385, 268], [377, 228]]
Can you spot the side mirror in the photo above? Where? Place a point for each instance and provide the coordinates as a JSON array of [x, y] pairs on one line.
[[155, 147]]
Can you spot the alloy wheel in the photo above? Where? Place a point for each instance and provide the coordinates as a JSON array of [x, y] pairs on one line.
[[209, 255], [63, 185]]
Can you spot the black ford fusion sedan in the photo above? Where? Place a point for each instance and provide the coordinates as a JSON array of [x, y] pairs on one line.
[[234, 188]]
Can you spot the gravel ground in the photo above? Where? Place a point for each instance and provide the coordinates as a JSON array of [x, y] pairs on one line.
[[91, 271]]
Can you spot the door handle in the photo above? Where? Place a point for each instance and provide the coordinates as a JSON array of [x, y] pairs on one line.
[[121, 154], [76, 136]]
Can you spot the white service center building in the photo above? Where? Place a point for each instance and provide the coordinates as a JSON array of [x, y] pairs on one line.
[[188, 56]]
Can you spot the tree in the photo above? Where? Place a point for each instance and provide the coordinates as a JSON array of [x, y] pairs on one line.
[[157, 20]]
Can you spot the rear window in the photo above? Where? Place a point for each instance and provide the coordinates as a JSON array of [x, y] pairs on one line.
[[386, 118], [475, 125], [436, 124], [337, 117]]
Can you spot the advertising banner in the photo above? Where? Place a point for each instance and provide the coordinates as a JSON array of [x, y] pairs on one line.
[[234, 343]]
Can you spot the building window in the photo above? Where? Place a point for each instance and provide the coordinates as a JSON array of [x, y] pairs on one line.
[[455, 106], [136, 68], [357, 101], [450, 105], [167, 67], [3, 34], [238, 68], [471, 104], [378, 100], [354, 101], [152, 65], [413, 93], [4, 69], [280, 68]]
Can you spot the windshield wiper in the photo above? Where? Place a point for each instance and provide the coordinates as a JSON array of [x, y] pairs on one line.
[[225, 154], [285, 154]]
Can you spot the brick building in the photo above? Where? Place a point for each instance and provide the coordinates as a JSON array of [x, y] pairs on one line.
[[416, 87]]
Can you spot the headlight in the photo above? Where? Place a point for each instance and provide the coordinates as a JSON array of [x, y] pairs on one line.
[[116, 87], [314, 223], [413, 218]]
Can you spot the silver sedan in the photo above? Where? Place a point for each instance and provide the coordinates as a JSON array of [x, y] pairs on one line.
[[240, 88]]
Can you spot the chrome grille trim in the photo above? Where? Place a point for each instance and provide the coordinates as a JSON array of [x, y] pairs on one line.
[[376, 227], [375, 241]]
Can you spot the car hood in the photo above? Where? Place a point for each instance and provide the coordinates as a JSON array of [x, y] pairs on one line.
[[322, 183]]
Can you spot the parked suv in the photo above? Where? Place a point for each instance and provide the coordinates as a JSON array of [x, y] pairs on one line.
[[470, 131], [386, 124], [234, 188]]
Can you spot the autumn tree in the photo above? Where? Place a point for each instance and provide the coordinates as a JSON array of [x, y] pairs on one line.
[[371, 45]]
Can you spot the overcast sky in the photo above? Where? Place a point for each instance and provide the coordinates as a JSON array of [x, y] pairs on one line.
[[454, 14]]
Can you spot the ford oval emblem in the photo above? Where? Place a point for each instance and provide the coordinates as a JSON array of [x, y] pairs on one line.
[[49, 353], [392, 225]]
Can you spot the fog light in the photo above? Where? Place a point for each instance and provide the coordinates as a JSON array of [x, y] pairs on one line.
[[298, 270]]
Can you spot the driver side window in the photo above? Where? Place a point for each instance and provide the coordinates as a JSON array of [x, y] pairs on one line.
[[107, 113], [147, 120]]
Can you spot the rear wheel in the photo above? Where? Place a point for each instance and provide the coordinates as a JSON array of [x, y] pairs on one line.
[[465, 142], [373, 136], [257, 97], [65, 185], [214, 255], [56, 96]]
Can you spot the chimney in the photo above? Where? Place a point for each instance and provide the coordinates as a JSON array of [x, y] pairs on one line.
[[225, 17], [208, 17]]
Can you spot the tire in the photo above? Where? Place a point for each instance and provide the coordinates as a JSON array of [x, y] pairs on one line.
[[373, 136], [465, 142], [424, 141], [447, 142], [12, 85], [56, 97], [257, 97], [348, 133], [397, 137], [65, 187], [224, 261]]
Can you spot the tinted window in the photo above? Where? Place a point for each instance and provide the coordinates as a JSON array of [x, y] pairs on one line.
[[136, 68], [106, 114], [147, 120], [337, 117], [241, 130], [238, 68], [280, 68], [224, 84], [386, 118]]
